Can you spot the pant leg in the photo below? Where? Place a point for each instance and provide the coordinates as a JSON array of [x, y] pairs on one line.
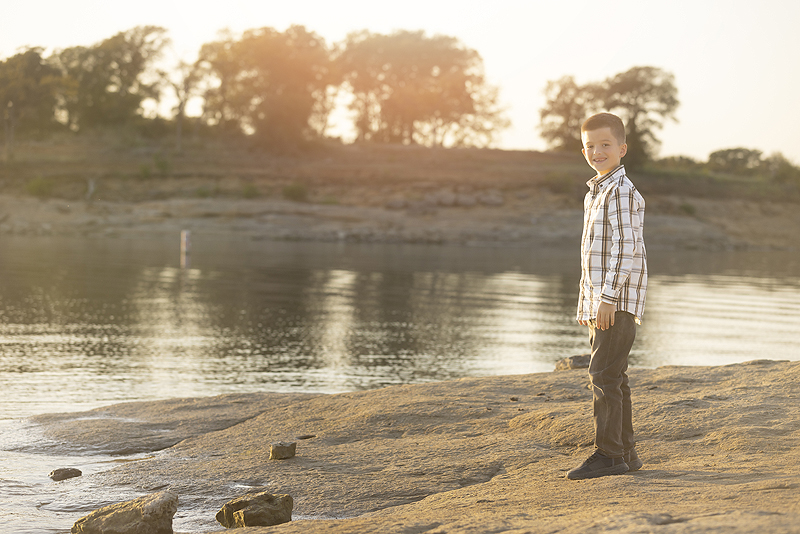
[[628, 441], [611, 393]]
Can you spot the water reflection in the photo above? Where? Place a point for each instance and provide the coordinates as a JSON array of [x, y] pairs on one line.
[[715, 320], [86, 323]]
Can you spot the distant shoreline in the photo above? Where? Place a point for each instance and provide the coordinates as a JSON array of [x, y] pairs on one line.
[[724, 224], [370, 193]]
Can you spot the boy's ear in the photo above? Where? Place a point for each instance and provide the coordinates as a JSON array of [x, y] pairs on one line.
[[623, 149]]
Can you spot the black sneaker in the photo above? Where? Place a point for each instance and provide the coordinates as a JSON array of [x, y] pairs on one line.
[[598, 465], [633, 461]]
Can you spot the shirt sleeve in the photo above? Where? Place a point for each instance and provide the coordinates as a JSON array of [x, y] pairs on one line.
[[623, 243]]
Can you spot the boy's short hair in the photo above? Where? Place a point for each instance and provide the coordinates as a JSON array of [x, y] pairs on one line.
[[606, 120]]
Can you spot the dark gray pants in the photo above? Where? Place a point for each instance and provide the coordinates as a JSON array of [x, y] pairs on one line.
[[613, 425]]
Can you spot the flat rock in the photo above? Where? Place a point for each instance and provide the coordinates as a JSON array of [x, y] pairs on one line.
[[459, 457], [130, 428]]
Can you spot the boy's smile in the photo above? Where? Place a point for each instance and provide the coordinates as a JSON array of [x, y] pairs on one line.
[[603, 152]]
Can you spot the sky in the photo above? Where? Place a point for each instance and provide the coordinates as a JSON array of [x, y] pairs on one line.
[[735, 62]]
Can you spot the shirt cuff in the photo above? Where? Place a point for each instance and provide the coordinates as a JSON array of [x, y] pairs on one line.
[[608, 300]]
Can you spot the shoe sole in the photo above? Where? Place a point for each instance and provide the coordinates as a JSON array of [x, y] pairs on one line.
[[613, 470]]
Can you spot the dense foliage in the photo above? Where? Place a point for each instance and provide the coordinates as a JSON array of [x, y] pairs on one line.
[[277, 88], [643, 97]]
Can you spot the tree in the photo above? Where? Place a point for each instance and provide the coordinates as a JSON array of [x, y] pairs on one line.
[[27, 96], [273, 85], [410, 88], [568, 105], [780, 169], [643, 97], [735, 160], [184, 81], [105, 84]]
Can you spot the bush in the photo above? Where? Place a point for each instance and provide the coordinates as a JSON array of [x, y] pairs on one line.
[[145, 172], [295, 192], [249, 191], [162, 164], [678, 163], [40, 187], [688, 209], [562, 183], [781, 170]]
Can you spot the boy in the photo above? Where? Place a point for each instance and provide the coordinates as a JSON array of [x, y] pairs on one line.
[[612, 293]]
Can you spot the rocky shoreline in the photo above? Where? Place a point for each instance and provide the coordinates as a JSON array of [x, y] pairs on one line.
[[474, 455]]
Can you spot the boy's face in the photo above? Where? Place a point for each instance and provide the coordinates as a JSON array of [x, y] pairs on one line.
[[601, 149]]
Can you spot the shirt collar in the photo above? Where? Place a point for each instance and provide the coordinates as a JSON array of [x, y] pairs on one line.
[[600, 181]]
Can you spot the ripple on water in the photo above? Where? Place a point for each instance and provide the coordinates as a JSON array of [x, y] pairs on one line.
[[33, 503]]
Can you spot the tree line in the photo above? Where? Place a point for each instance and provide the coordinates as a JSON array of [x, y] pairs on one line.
[[645, 98], [278, 88]]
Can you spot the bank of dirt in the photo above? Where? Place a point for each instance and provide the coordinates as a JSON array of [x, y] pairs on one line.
[[390, 194], [724, 225]]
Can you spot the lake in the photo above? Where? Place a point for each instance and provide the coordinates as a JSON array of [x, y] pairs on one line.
[[90, 322]]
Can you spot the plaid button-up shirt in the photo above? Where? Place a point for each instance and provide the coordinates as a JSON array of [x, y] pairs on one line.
[[613, 257]]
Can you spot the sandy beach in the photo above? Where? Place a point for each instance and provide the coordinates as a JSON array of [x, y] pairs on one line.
[[475, 455]]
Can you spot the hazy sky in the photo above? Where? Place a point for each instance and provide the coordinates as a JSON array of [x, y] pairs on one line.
[[735, 63]]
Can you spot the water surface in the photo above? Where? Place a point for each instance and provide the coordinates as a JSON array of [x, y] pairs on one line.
[[84, 323]]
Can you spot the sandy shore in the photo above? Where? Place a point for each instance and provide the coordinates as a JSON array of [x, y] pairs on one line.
[[719, 444], [535, 219]]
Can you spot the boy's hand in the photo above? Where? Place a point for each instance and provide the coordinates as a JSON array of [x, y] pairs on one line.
[[605, 315]]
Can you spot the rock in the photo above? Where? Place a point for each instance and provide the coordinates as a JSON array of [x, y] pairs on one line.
[[256, 510], [150, 514], [64, 473], [444, 197], [417, 458], [574, 362], [421, 208], [396, 204], [282, 450], [491, 198], [466, 200]]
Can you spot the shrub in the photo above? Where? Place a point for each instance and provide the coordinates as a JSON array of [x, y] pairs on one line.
[[145, 172], [250, 191], [562, 183], [295, 192], [40, 187], [162, 164]]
